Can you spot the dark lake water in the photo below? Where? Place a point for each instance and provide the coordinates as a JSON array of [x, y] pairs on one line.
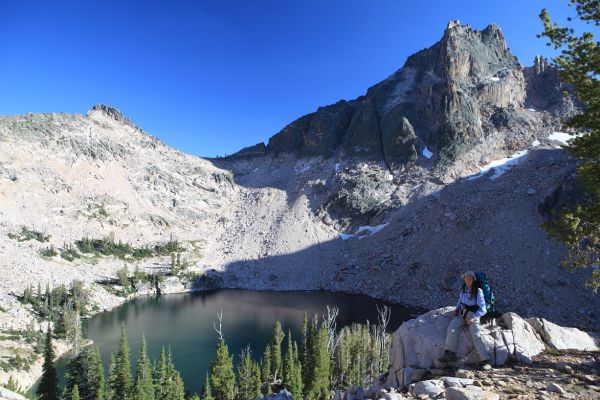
[[185, 323]]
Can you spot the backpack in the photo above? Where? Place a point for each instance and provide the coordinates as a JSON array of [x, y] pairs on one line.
[[489, 296]]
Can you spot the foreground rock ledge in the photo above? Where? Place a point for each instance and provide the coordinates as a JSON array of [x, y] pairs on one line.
[[418, 343]]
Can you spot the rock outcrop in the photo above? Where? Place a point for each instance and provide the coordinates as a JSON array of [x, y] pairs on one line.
[[418, 343], [448, 97], [6, 394]]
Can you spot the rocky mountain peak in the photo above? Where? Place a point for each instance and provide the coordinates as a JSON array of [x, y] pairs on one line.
[[110, 113], [464, 89]]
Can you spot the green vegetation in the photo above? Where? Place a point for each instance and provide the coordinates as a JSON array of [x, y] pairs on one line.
[[579, 65], [326, 359], [48, 387], [29, 234], [49, 252]]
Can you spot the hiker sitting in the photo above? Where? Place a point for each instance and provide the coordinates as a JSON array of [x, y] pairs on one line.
[[470, 307]]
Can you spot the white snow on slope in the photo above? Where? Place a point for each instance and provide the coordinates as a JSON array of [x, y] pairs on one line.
[[535, 143], [561, 137], [363, 231], [500, 166], [426, 153]]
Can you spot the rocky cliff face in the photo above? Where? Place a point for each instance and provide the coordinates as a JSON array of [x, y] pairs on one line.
[[448, 98]]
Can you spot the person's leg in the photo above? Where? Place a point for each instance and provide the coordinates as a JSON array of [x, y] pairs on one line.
[[453, 333], [476, 335]]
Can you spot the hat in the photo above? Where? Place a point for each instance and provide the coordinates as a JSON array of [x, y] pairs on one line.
[[469, 273]]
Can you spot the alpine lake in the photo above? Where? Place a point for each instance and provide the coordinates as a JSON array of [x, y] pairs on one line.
[[184, 323]]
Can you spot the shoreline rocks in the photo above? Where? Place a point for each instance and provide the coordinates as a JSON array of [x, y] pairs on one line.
[[418, 343]]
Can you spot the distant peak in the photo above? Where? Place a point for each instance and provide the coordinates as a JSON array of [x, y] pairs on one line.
[[112, 113], [452, 23]]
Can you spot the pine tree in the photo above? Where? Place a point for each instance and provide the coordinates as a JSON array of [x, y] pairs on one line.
[[207, 392], [296, 388], [144, 388], [112, 378], [247, 387], [320, 384], [48, 387], [174, 389], [579, 66], [257, 382], [308, 377], [123, 389], [288, 364], [222, 378], [159, 375], [275, 344], [75, 393], [86, 372], [265, 366]]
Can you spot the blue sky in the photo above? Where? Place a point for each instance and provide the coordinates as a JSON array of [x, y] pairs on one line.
[[211, 77]]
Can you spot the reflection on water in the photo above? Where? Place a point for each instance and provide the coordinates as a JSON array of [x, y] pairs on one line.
[[185, 323]]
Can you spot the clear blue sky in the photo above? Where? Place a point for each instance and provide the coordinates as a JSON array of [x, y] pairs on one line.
[[211, 77]]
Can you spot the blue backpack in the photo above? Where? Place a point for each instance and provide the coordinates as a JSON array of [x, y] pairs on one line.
[[488, 295]]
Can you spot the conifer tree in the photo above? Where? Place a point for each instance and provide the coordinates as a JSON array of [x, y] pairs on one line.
[[48, 387], [288, 364], [174, 389], [311, 349], [207, 392], [579, 66], [303, 339], [222, 378], [144, 388], [256, 377], [265, 366], [112, 378], [86, 372], [248, 388], [75, 393], [159, 375], [321, 369], [123, 388], [275, 344], [296, 388]]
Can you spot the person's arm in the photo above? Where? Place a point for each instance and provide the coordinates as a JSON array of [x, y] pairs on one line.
[[481, 303]]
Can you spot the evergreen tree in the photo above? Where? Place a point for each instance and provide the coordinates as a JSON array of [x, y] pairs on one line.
[[174, 389], [159, 375], [86, 372], [144, 388], [257, 382], [275, 344], [222, 378], [303, 339], [123, 388], [265, 366], [321, 369], [207, 392], [75, 393], [579, 66], [112, 378], [48, 387], [296, 388], [248, 387], [288, 365], [308, 377]]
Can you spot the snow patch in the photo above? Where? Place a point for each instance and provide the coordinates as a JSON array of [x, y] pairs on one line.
[[363, 231], [494, 79], [532, 109], [500, 166], [561, 137], [426, 153], [337, 167], [535, 143], [389, 177]]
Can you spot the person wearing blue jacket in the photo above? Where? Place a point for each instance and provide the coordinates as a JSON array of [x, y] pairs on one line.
[[469, 309]]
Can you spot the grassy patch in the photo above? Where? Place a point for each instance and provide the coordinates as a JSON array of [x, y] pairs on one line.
[[29, 234]]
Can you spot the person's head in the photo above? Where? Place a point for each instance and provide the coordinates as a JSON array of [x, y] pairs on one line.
[[469, 279]]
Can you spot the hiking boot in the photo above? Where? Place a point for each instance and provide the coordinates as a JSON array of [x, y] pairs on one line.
[[449, 356], [485, 365]]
